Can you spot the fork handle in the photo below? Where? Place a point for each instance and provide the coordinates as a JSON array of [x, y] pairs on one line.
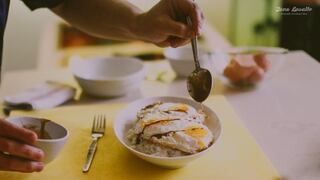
[[91, 151]]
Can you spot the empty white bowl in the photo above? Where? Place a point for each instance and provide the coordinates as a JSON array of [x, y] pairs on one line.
[[108, 77], [181, 60], [126, 117], [50, 147]]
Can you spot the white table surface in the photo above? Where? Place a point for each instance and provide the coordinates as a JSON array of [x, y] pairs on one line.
[[283, 114]]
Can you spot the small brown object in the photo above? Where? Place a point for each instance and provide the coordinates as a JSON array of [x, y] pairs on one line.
[[237, 73], [256, 76], [262, 61], [40, 131], [246, 69]]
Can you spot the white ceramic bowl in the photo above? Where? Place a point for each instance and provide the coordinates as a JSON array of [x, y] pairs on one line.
[[108, 77], [126, 117], [220, 60], [181, 60], [51, 147]]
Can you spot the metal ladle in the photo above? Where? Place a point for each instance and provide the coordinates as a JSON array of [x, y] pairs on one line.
[[199, 82]]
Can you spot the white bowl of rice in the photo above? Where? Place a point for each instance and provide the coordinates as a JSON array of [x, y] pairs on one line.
[[167, 131]]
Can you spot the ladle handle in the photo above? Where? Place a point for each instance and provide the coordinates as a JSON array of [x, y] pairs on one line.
[[194, 44]]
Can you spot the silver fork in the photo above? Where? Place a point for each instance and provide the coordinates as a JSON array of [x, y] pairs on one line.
[[98, 128]]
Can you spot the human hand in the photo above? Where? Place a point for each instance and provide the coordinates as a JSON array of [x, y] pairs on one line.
[[16, 150], [165, 24]]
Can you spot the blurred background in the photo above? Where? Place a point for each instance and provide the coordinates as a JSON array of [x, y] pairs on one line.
[[31, 36]]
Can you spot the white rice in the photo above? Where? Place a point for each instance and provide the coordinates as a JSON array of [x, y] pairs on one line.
[[150, 148]]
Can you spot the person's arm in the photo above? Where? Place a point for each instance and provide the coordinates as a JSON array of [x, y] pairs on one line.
[[118, 19], [17, 152]]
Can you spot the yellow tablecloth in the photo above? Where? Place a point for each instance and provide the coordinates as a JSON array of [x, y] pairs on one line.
[[236, 157]]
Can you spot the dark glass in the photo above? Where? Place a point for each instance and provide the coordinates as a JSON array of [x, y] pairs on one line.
[[301, 31]]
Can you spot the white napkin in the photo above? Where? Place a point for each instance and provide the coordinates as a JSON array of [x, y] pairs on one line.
[[43, 96]]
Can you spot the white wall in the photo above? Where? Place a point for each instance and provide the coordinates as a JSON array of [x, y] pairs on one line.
[[22, 35], [24, 28]]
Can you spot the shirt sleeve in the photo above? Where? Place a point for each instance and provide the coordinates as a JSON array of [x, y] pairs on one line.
[[35, 4]]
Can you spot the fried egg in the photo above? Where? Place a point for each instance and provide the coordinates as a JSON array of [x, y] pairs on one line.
[[166, 112], [175, 126]]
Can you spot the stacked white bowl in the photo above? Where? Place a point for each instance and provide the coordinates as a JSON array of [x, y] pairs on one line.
[[107, 77]]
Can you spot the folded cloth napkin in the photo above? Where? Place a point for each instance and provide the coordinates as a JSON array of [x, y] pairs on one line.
[[43, 96]]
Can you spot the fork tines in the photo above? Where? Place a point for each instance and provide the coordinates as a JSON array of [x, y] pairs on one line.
[[99, 124]]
